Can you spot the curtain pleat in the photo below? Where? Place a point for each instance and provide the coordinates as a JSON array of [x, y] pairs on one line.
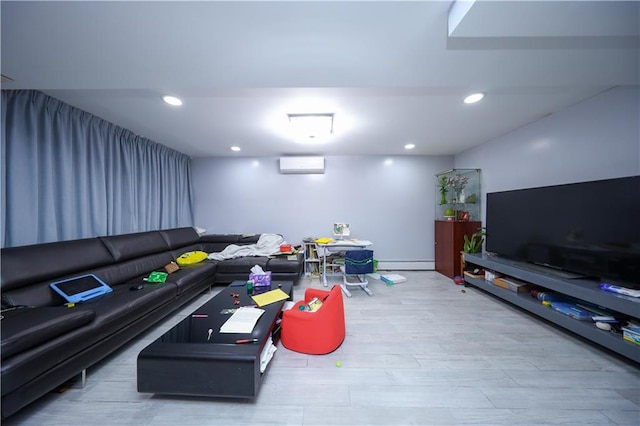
[[67, 174]]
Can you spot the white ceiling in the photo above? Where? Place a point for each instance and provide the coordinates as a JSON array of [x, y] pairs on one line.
[[388, 70]]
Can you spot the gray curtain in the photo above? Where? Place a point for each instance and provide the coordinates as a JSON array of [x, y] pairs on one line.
[[67, 174]]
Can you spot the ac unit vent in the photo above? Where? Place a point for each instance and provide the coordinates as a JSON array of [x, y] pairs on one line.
[[302, 165]]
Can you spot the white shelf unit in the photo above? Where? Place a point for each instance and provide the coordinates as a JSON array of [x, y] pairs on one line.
[[583, 289], [312, 266]]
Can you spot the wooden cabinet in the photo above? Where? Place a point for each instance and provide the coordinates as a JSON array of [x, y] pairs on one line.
[[449, 240]]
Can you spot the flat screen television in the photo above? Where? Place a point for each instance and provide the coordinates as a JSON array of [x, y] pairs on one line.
[[591, 229]]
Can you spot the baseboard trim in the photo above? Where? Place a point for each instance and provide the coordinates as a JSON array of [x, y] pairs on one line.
[[401, 265]]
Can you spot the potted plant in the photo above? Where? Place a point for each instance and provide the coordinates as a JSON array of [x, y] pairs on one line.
[[444, 181], [458, 183], [473, 244], [449, 213]]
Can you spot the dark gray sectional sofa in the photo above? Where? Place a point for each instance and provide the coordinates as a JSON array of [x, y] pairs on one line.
[[44, 343]]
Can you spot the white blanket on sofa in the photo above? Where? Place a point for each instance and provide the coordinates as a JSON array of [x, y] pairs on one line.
[[267, 245]]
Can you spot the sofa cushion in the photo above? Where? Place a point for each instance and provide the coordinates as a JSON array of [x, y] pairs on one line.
[[241, 264], [129, 246], [221, 238], [248, 239], [113, 312], [192, 275], [125, 271], [180, 237], [282, 264], [40, 294], [214, 243], [50, 261], [25, 328], [33, 296], [123, 305]]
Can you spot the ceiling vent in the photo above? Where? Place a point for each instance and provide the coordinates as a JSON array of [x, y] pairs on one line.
[[290, 165]]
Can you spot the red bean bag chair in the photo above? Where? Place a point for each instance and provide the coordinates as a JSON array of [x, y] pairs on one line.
[[318, 332]]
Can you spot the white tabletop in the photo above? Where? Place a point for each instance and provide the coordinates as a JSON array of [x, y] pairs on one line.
[[347, 243]]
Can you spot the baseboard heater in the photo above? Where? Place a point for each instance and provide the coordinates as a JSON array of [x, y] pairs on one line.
[[289, 165]]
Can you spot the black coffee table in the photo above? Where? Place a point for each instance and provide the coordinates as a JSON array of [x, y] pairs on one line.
[[184, 361]]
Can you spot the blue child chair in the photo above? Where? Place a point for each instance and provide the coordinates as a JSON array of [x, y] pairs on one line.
[[357, 263]]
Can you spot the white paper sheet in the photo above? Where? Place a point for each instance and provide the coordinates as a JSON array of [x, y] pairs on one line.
[[243, 320], [267, 354]]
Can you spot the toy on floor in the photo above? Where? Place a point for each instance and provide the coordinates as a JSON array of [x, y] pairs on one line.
[[458, 280]]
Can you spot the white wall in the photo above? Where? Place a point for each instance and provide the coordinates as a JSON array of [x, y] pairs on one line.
[[390, 204], [598, 138], [393, 206]]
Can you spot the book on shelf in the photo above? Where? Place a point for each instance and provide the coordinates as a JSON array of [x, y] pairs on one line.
[[512, 284], [479, 275]]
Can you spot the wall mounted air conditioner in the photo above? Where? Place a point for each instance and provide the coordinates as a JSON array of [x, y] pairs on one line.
[[301, 164]]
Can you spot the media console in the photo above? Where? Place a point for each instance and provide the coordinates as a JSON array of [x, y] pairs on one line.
[[583, 289]]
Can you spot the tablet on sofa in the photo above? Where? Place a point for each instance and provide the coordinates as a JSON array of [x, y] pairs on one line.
[[80, 289]]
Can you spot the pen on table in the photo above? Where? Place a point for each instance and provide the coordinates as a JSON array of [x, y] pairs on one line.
[[247, 341]]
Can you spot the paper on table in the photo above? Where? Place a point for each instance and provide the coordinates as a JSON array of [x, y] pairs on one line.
[[270, 297], [243, 320]]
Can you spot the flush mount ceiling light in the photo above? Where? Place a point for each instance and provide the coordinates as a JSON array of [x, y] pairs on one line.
[[311, 126], [235, 148], [410, 146], [473, 98], [172, 100]]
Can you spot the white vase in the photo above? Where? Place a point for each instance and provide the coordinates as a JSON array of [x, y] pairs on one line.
[[462, 197]]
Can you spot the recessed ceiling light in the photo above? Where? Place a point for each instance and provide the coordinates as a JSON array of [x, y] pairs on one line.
[[410, 146], [235, 148], [172, 100], [472, 99]]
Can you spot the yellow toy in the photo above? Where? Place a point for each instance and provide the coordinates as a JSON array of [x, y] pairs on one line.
[[324, 240], [191, 257]]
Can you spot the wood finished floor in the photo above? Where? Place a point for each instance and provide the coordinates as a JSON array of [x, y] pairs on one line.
[[423, 352]]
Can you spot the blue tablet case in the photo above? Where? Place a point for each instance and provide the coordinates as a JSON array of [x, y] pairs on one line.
[[80, 289]]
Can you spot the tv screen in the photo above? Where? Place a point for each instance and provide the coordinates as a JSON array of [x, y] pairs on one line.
[[589, 228]]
